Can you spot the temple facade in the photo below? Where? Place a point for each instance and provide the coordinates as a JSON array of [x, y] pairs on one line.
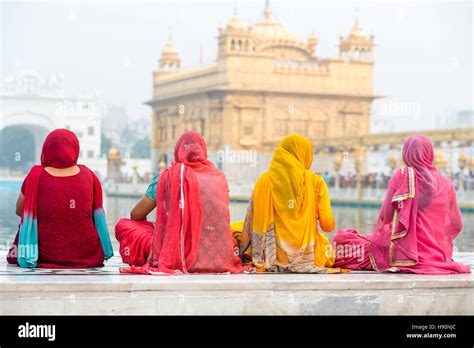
[[266, 83]]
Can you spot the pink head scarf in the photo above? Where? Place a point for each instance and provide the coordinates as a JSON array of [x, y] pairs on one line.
[[418, 154], [412, 188]]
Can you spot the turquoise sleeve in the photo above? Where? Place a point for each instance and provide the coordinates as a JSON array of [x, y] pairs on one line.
[[101, 226], [151, 190]]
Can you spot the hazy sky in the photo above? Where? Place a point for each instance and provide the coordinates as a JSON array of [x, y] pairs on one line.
[[424, 50]]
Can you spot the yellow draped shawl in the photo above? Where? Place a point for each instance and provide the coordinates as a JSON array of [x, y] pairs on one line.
[[285, 203]]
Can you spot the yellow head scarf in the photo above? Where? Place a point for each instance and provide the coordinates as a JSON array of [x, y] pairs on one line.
[[286, 197]]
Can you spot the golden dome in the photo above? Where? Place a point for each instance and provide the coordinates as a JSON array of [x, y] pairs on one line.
[[269, 29], [169, 49], [357, 30], [113, 151], [439, 155], [439, 159], [169, 56], [162, 165], [235, 22], [393, 161]]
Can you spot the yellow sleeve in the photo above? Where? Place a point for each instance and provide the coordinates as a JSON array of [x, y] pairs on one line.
[[236, 228], [325, 217]]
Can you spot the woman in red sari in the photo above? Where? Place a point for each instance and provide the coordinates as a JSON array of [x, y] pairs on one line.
[[192, 230], [60, 204], [417, 223]]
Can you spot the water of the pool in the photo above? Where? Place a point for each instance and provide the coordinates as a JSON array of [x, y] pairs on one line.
[[361, 219]]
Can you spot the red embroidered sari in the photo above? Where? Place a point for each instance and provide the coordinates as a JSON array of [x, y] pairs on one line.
[[63, 223], [192, 230]]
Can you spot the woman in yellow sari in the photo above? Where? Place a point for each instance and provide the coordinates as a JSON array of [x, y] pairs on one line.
[[280, 230]]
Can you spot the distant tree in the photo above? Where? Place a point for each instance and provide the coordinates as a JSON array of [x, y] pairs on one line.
[[128, 136], [17, 148], [141, 148], [105, 144]]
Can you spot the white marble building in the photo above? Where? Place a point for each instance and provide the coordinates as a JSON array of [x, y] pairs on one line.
[[39, 105]]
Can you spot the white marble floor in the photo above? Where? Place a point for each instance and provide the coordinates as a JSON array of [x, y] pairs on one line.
[[112, 268], [106, 291]]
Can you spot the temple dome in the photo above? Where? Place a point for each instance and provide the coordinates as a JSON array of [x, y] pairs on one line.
[[113, 151], [235, 23], [269, 29], [357, 32], [169, 49], [272, 30], [169, 56]]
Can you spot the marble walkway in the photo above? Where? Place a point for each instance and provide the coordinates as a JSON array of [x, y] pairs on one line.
[[106, 291]]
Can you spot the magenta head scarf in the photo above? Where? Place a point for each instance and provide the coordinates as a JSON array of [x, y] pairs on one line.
[[418, 153], [60, 149], [395, 240]]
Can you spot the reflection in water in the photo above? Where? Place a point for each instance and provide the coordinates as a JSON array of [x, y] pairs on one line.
[[8, 220], [361, 219]]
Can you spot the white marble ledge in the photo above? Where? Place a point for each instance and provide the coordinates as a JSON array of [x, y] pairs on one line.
[[234, 282], [105, 291], [108, 279]]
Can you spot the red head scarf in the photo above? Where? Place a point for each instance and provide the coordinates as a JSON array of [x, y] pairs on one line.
[[60, 149], [191, 196], [191, 150]]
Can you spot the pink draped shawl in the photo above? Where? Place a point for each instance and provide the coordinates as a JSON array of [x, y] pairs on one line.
[[419, 218]]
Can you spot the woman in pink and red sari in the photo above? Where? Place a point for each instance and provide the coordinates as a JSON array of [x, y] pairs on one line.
[[192, 230], [417, 223], [62, 222]]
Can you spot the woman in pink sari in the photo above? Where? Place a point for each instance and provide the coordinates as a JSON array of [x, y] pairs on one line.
[[417, 223]]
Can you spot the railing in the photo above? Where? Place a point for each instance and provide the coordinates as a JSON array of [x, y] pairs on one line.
[[348, 191], [351, 191], [125, 189]]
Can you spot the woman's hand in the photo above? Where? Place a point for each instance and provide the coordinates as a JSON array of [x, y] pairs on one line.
[[19, 204]]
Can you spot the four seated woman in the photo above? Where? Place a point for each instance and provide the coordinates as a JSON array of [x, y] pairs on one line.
[[417, 223], [62, 221], [63, 224], [192, 230], [280, 230]]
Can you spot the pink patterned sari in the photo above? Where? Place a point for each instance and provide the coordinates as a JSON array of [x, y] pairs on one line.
[[417, 223]]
